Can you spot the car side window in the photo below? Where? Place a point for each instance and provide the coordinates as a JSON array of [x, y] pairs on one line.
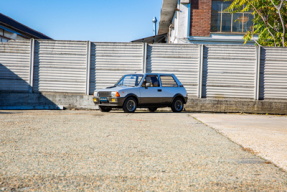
[[152, 79], [168, 81]]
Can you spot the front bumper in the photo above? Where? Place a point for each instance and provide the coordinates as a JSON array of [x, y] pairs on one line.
[[111, 101]]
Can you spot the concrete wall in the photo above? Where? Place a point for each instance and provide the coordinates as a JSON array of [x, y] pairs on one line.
[[237, 106], [80, 101], [45, 101]]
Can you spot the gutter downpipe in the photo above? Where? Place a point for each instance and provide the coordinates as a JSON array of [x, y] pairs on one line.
[[188, 21]]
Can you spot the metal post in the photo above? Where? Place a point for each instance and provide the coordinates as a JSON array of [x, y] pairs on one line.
[[31, 75], [144, 57], [154, 26], [188, 20], [88, 68], [257, 73], [200, 69]]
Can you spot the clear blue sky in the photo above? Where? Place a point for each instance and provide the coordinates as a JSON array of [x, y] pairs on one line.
[[94, 20]]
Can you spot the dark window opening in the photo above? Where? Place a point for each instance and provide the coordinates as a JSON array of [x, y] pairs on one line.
[[152, 79], [222, 21]]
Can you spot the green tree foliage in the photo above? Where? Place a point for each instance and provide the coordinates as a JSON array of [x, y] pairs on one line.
[[270, 20]]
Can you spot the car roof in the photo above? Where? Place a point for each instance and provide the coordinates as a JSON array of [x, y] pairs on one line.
[[150, 74]]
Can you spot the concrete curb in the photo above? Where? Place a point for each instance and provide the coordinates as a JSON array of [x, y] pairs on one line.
[[40, 107], [237, 106]]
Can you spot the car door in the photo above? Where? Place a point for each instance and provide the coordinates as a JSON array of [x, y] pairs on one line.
[[151, 95], [169, 88]]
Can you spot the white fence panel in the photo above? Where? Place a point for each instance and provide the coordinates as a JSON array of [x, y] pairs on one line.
[[273, 73], [60, 66], [110, 61], [182, 60], [15, 65], [229, 71]]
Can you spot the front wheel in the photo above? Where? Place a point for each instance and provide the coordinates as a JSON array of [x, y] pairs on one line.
[[130, 105], [105, 109], [177, 105]]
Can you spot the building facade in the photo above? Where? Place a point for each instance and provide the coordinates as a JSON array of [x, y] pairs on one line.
[[203, 22], [11, 29]]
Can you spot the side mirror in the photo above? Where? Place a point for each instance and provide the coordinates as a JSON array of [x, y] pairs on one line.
[[147, 85]]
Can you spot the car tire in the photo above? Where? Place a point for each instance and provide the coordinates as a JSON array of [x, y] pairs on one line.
[[130, 105], [152, 109], [177, 105], [105, 109]]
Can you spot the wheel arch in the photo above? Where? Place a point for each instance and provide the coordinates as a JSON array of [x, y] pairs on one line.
[[131, 95], [178, 95]]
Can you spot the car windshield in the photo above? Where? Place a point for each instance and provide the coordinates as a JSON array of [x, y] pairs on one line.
[[130, 81]]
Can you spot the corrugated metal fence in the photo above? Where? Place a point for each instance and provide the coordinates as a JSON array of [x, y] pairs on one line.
[[273, 73], [182, 60], [110, 61], [15, 66], [229, 71], [60, 66], [207, 71]]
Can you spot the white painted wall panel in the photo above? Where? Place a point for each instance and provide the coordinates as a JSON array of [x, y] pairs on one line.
[[60, 66], [15, 65], [273, 73], [182, 60], [229, 71], [110, 61]]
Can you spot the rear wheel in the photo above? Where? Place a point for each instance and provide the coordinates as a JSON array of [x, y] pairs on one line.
[[152, 109], [177, 105], [130, 105], [105, 109]]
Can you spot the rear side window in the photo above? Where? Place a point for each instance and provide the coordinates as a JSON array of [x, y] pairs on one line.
[[168, 81]]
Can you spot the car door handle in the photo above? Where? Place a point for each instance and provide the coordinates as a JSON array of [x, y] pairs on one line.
[[159, 90]]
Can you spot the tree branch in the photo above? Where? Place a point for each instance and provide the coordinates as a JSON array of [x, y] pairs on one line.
[[252, 36], [284, 29], [255, 41], [259, 13], [264, 20], [281, 19]]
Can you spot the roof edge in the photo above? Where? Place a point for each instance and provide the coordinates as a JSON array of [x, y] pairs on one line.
[[167, 12], [16, 29]]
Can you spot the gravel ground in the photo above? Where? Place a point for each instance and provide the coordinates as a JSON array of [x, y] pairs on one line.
[[89, 150], [265, 135]]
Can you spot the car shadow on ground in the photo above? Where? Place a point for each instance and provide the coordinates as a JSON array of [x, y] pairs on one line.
[[5, 112], [120, 111]]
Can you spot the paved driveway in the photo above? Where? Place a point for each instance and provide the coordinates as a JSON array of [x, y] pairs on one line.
[[265, 135], [89, 150]]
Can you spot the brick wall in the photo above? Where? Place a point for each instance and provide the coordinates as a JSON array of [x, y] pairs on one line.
[[200, 17]]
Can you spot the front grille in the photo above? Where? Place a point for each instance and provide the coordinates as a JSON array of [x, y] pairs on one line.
[[104, 94]]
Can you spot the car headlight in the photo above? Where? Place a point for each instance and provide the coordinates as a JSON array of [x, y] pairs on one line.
[[95, 93], [115, 94]]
